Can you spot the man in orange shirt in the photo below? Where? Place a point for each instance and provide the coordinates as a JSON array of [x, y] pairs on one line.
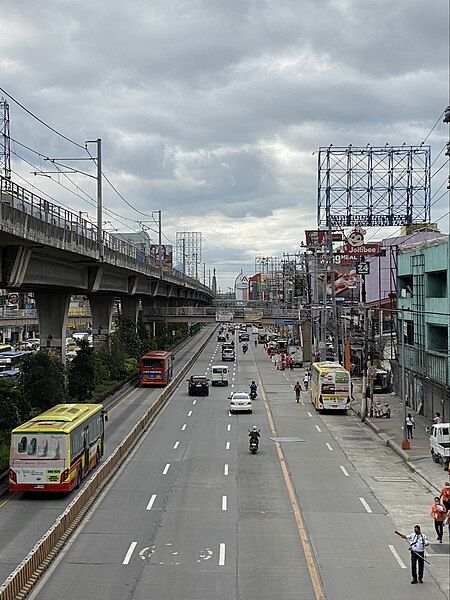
[[445, 495], [438, 512]]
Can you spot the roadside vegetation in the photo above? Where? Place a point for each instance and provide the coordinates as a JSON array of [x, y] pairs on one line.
[[91, 376]]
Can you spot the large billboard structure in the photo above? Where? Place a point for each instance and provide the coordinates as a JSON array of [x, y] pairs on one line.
[[373, 186], [189, 252]]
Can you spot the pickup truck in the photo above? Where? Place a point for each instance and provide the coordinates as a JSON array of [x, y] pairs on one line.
[[440, 443]]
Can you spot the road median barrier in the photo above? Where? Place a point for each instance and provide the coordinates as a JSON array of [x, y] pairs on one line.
[[21, 581]]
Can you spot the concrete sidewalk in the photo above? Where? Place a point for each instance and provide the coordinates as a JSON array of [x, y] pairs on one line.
[[390, 431]]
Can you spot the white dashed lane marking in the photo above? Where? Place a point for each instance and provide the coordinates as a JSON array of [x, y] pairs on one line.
[[344, 470], [166, 469], [151, 502]]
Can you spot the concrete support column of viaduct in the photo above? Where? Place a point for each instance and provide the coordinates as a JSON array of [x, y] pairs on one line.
[[130, 307], [53, 311], [101, 313]]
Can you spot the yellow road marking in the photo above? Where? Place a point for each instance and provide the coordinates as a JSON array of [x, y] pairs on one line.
[[6, 499], [319, 592]]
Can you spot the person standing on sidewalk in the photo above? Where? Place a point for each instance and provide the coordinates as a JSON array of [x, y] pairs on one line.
[[438, 512], [306, 380], [417, 542], [409, 426], [437, 418]]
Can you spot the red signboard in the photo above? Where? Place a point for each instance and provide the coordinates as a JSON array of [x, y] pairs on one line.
[[363, 250], [319, 237]]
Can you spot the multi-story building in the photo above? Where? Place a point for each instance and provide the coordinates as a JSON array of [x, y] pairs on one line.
[[424, 302]]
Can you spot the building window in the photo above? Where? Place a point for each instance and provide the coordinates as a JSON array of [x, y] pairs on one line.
[[409, 333], [405, 286], [438, 338], [437, 284]]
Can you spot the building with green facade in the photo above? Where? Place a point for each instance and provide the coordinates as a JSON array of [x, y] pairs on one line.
[[423, 298]]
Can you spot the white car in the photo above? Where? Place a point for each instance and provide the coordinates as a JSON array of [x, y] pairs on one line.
[[240, 402]]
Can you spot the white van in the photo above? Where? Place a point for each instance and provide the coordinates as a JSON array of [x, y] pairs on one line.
[[219, 375]]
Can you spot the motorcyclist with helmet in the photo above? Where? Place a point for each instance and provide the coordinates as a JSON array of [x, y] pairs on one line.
[[253, 390], [254, 435]]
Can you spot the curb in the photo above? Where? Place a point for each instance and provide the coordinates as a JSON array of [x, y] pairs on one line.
[[398, 450]]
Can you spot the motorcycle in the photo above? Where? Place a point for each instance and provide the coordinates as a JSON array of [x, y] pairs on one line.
[[253, 394], [253, 446], [244, 349]]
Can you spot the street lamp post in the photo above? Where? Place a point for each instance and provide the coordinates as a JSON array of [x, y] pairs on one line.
[[405, 442]]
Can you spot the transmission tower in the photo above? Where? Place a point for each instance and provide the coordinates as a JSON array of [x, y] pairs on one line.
[[373, 186], [189, 251], [5, 148]]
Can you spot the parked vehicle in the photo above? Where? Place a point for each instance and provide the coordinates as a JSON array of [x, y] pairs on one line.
[[297, 356], [240, 402], [440, 443], [219, 375], [330, 386], [198, 385], [228, 354]]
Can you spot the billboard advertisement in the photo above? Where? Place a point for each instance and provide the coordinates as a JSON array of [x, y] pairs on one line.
[[224, 317], [166, 252], [252, 314]]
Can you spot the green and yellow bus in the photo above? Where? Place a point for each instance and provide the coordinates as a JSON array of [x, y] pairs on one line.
[[330, 386], [56, 450]]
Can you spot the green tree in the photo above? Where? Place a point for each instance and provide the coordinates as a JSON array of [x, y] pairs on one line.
[[81, 373], [11, 413], [42, 382]]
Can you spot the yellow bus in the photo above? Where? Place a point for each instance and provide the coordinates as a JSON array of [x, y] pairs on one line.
[[330, 386], [56, 449]]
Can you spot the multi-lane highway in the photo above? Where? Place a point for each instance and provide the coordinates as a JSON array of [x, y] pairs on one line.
[[24, 518], [192, 515]]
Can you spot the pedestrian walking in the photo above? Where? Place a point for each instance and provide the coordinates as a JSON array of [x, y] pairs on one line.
[[297, 389], [438, 512], [437, 418], [410, 425], [306, 380], [417, 542]]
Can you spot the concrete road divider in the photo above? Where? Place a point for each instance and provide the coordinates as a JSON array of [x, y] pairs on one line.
[[18, 585]]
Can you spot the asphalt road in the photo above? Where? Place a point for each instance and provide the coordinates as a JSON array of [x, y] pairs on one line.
[[192, 515], [25, 517]]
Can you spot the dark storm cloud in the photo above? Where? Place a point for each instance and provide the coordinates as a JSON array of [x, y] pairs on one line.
[[212, 109]]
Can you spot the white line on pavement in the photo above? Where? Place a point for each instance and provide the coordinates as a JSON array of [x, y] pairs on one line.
[[225, 469], [397, 556], [318, 428], [221, 554], [184, 427], [194, 402], [166, 468], [229, 427], [344, 470], [189, 413], [129, 553], [301, 401], [232, 385], [151, 502], [224, 503], [308, 413], [366, 506], [329, 447], [175, 446], [227, 447]]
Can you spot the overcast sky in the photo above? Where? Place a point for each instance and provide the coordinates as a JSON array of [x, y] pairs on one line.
[[211, 109]]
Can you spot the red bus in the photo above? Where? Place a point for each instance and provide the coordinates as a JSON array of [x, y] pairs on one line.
[[156, 368]]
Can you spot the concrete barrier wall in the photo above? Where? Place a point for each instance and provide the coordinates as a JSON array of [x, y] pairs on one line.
[[25, 576]]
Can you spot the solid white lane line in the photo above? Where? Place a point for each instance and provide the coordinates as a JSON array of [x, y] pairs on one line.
[[166, 468], [189, 413], [184, 427], [344, 470], [225, 469], [227, 447], [224, 503], [194, 402], [397, 556], [318, 428], [366, 506], [329, 447], [175, 446], [309, 414], [151, 502], [221, 554], [129, 553], [229, 427]]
